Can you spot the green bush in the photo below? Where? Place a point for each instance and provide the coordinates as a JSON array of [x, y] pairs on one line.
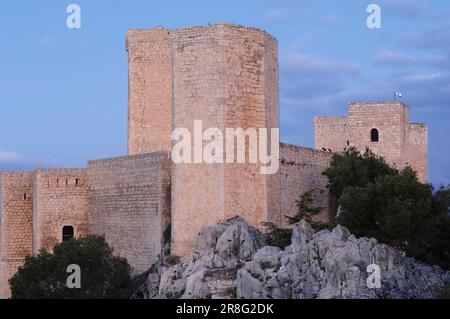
[[44, 275]]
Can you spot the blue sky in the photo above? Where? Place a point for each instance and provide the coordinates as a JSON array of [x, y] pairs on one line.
[[63, 92]]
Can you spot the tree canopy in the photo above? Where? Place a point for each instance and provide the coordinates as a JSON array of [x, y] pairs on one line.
[[102, 275]]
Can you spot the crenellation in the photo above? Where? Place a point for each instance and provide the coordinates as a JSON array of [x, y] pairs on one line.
[[61, 178]]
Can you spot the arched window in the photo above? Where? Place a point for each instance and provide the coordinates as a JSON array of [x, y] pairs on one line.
[[67, 233], [374, 136]]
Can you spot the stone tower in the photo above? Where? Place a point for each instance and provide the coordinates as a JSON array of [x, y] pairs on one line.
[[382, 127], [16, 224], [226, 76]]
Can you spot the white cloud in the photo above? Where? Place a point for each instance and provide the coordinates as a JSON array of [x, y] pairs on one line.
[[9, 157]]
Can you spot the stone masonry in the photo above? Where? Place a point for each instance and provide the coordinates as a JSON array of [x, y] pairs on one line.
[[225, 75], [129, 202]]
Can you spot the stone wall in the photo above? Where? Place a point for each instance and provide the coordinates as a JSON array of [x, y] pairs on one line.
[[129, 202], [16, 204], [331, 133], [60, 199], [301, 170]]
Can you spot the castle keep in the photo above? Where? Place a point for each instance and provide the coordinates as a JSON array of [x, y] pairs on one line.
[[226, 76]]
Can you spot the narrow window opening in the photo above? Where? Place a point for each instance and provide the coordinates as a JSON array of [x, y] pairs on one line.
[[57, 182], [67, 233], [24, 196], [76, 181], [374, 136], [67, 182]]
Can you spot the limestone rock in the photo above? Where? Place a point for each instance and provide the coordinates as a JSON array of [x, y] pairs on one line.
[[231, 261]]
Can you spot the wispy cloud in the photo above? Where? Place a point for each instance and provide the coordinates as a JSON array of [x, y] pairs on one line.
[[388, 57], [432, 39], [44, 40], [410, 9], [9, 157], [331, 19], [312, 65], [12, 161], [276, 15]]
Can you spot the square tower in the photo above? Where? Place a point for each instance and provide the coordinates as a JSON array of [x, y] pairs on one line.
[[384, 128], [16, 224]]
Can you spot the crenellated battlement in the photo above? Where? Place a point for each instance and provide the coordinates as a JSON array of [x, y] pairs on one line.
[[60, 178]]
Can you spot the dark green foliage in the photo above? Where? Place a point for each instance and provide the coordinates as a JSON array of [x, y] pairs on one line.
[[444, 292], [103, 275], [281, 237], [351, 168], [392, 206], [277, 236], [307, 210]]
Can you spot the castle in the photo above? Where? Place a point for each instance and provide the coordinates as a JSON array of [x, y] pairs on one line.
[[227, 76]]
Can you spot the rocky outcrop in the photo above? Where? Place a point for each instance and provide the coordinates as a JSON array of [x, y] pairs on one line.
[[210, 271], [333, 264], [231, 261]]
